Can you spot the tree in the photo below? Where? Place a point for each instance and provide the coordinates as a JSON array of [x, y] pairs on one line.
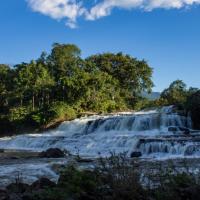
[[176, 93], [193, 106], [63, 63], [62, 60], [133, 75], [5, 84], [33, 79]]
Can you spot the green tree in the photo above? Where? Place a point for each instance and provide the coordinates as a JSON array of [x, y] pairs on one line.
[[63, 63], [34, 80], [5, 84], [132, 74], [193, 106], [176, 93]]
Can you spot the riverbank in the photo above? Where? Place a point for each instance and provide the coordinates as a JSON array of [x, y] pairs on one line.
[[114, 178]]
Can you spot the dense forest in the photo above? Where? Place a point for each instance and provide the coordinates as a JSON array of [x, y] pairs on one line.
[[61, 85]]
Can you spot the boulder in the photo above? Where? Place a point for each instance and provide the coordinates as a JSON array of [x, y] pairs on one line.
[[15, 196], [17, 188], [42, 183], [84, 160], [1, 150], [136, 154], [3, 195], [186, 131], [172, 129], [52, 153]]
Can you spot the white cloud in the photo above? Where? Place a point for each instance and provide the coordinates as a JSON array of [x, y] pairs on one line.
[[58, 9], [71, 10], [105, 7]]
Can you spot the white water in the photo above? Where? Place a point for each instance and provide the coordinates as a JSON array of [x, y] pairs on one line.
[[122, 132]]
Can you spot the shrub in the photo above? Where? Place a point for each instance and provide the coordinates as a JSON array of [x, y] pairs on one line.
[[18, 113], [57, 111], [62, 111], [193, 106]]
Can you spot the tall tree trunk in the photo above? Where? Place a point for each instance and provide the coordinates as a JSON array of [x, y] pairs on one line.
[[33, 102], [21, 101]]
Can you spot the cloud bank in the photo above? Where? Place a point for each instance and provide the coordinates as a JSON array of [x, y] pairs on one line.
[[71, 10]]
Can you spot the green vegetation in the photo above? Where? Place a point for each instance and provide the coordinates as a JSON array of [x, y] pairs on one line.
[[193, 105], [61, 85]]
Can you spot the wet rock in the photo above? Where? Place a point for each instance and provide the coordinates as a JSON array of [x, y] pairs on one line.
[[52, 153], [84, 160], [1, 150], [42, 183], [14, 196], [3, 195], [136, 154], [172, 129], [186, 131], [28, 197], [17, 188], [191, 192]]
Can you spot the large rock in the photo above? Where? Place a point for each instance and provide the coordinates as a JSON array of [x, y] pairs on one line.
[[136, 154], [186, 131], [52, 153], [42, 183], [3, 195], [172, 129], [17, 188]]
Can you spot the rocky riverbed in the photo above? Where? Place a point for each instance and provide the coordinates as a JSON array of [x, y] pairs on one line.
[[28, 167]]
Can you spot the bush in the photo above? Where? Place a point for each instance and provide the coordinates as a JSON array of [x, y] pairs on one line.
[[62, 111], [179, 186], [18, 114], [193, 106], [55, 112]]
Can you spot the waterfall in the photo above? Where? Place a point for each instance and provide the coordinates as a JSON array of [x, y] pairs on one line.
[[144, 131]]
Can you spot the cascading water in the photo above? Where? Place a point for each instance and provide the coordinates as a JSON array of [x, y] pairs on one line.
[[147, 132]]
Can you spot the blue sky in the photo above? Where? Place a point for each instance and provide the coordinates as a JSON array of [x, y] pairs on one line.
[[166, 35]]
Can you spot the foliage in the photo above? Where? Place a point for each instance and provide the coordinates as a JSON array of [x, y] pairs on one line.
[[179, 186], [133, 75], [49, 88], [193, 106], [18, 114], [60, 110], [176, 93]]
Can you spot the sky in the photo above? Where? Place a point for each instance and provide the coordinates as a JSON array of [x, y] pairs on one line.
[[166, 33]]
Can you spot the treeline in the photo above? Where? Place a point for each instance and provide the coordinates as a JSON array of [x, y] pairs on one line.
[[59, 85]]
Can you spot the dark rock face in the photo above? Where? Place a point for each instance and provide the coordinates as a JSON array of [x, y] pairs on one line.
[[186, 131], [84, 160], [1, 150], [191, 192], [52, 153], [22, 191], [42, 183], [18, 188], [172, 129], [136, 154], [3, 195]]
